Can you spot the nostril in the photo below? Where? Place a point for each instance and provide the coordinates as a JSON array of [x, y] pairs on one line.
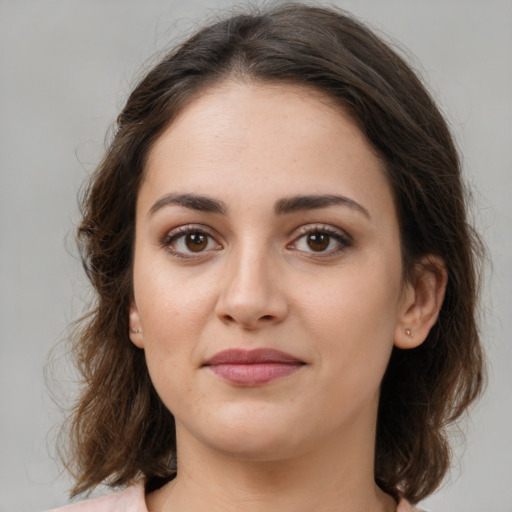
[[267, 317]]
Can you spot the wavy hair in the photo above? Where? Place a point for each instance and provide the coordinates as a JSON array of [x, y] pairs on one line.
[[119, 429]]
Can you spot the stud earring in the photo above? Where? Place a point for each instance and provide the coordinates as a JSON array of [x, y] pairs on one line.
[[409, 333], [134, 331]]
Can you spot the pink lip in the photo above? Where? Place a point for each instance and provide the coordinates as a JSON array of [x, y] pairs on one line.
[[253, 367]]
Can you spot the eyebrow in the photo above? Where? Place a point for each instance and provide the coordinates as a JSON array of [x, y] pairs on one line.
[[282, 207], [312, 202], [191, 201]]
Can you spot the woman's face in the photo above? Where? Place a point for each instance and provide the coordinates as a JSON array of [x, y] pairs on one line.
[[267, 272]]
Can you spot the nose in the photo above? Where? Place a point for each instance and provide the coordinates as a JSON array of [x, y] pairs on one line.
[[250, 294]]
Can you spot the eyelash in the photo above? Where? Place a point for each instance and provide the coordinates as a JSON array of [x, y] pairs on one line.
[[182, 232], [343, 240]]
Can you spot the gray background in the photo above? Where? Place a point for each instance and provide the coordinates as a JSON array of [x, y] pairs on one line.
[[66, 68]]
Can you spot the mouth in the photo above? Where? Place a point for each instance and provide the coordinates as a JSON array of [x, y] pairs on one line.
[[249, 368]]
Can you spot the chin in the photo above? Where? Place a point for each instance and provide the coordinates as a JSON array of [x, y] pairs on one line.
[[263, 448], [258, 437]]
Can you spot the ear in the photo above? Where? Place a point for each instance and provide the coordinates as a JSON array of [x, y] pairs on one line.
[[422, 300], [135, 333]]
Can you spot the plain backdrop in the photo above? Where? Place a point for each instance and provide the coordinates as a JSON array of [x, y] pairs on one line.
[[66, 67]]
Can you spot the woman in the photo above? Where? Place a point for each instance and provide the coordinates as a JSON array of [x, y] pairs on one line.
[[285, 275]]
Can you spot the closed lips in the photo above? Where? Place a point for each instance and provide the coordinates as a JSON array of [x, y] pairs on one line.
[[255, 356], [248, 368]]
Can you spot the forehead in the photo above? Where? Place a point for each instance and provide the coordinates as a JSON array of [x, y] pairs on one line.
[[255, 139]]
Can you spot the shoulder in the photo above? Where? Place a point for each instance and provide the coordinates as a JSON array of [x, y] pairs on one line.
[[130, 500], [405, 506]]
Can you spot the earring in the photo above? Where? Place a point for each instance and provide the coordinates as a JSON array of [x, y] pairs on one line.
[[409, 333], [134, 331]]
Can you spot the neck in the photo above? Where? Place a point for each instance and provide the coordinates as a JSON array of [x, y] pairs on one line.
[[337, 476]]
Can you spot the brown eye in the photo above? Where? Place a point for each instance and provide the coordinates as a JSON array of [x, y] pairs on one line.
[[318, 242], [321, 241], [190, 242], [196, 242]]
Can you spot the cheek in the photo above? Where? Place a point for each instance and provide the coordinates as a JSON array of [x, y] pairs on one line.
[[170, 300], [365, 298], [352, 320], [173, 312]]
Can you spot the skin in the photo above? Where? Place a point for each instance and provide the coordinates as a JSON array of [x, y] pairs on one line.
[[306, 441]]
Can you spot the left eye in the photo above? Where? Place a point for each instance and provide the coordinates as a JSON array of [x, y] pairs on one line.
[[189, 242], [321, 241], [194, 242]]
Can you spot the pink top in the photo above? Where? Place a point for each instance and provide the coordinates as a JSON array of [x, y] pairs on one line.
[[132, 500]]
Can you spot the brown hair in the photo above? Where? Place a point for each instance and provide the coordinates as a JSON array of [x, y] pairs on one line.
[[119, 429]]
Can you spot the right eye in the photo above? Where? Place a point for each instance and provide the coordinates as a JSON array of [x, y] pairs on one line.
[[188, 241]]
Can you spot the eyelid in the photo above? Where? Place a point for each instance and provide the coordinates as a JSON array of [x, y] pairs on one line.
[[180, 231], [324, 228], [343, 238]]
